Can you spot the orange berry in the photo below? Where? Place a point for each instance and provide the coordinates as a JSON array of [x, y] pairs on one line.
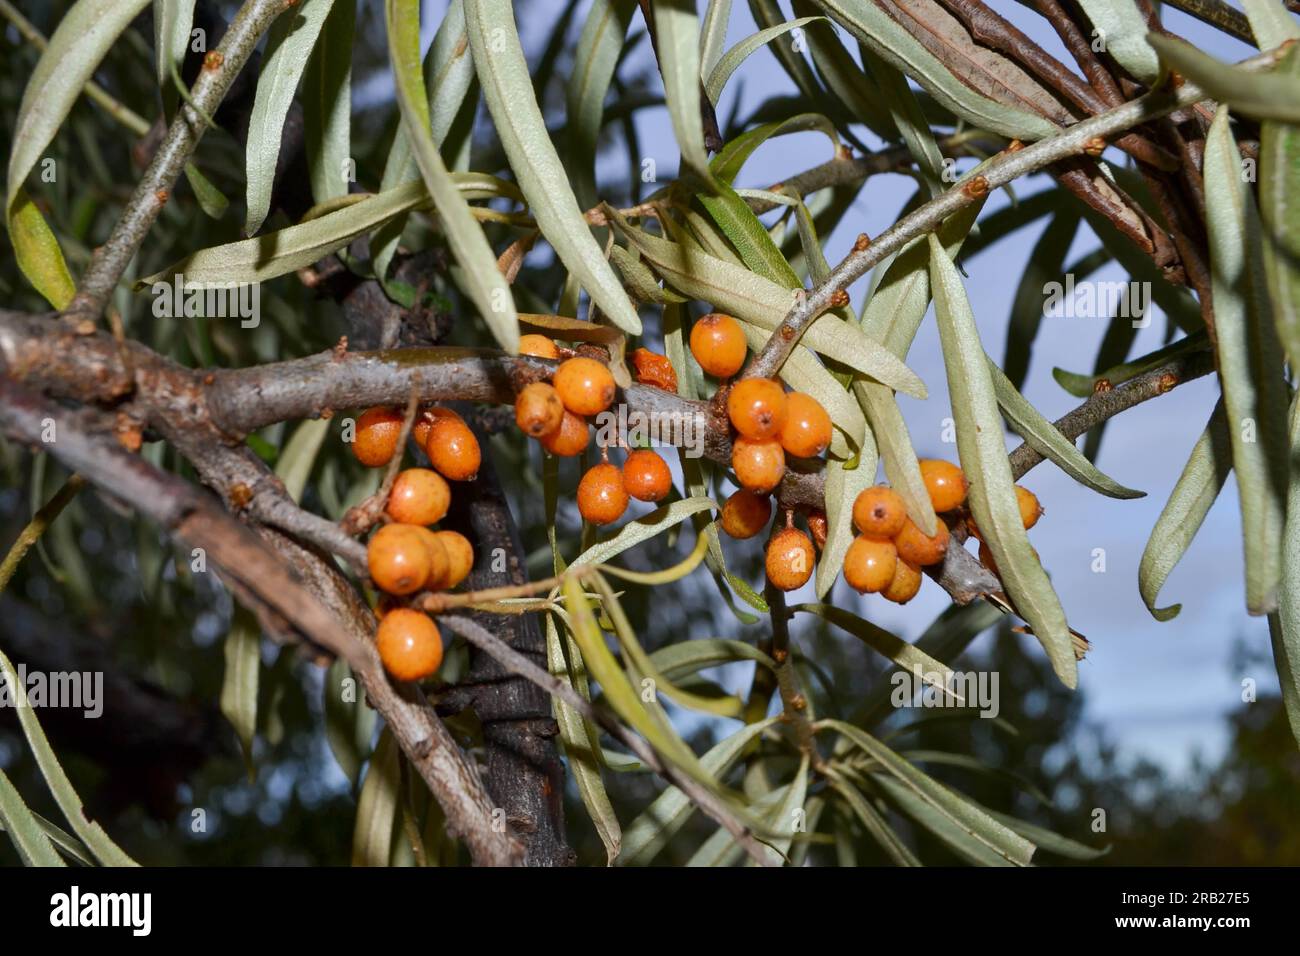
[[425, 419], [453, 449], [377, 432], [757, 407], [419, 496], [460, 556], [945, 483], [1030, 509], [586, 386], [759, 465], [879, 512], [718, 344], [570, 438], [538, 410], [818, 527], [869, 564], [745, 514], [646, 476], [399, 558], [409, 644], [790, 559], [439, 561], [807, 428], [655, 370], [905, 585], [538, 346], [914, 545], [601, 496]]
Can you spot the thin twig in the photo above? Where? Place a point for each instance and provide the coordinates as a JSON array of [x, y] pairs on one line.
[[43, 518]]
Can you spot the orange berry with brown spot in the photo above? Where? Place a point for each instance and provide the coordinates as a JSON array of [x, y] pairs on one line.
[[460, 556], [905, 584], [646, 476], [601, 496], [538, 410], [655, 370], [945, 483], [586, 386], [807, 428], [453, 449], [570, 438], [409, 644], [759, 465], [538, 346], [418, 496], [718, 344], [790, 559], [745, 514], [916, 546], [399, 558], [377, 431], [869, 564], [879, 512], [757, 408]]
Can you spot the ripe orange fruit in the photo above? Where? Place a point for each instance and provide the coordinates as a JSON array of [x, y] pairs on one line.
[[1030, 509], [646, 476], [418, 496], [586, 386], [759, 465], [601, 497], [424, 421], [790, 559], [906, 583], [818, 528], [399, 558], [655, 370], [869, 564], [945, 483], [538, 346], [409, 644], [570, 438], [377, 432], [439, 561], [718, 344], [538, 410], [757, 408], [453, 449], [913, 544], [745, 514], [807, 428], [879, 512], [460, 556]]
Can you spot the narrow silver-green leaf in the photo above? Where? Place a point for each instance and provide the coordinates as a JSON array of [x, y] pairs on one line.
[[243, 657], [20, 825], [327, 105], [910, 119], [688, 656], [372, 835], [1279, 207], [843, 484], [644, 528], [731, 60], [299, 455], [907, 656], [1122, 29], [1284, 623], [594, 62], [1274, 95], [895, 444], [172, 20], [677, 44], [1271, 23], [713, 34], [787, 817], [349, 721]]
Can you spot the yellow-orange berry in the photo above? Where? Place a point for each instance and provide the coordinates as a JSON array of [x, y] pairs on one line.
[[460, 556], [439, 561], [879, 512], [807, 428], [1030, 509], [418, 496], [377, 432], [718, 344], [818, 528], [409, 644], [399, 558], [538, 346], [586, 386], [906, 583], [425, 419], [945, 483], [538, 410], [789, 560], [757, 408], [916, 546], [570, 438], [453, 449], [601, 496], [745, 514], [655, 370], [869, 564], [646, 476], [759, 465]]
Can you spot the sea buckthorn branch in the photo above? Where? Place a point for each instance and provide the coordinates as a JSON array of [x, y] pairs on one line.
[[220, 67], [260, 577], [1073, 141]]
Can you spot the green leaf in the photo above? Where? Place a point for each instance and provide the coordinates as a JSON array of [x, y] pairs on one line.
[[172, 20], [25, 832], [737, 55], [1120, 25], [721, 849], [1271, 23], [1082, 386], [959, 839], [713, 34], [843, 484], [372, 835], [1050, 841], [483, 281], [507, 87], [750, 237], [689, 656], [786, 817], [677, 44], [908, 116], [295, 463], [596, 58], [211, 200], [349, 721], [1284, 623], [875, 824], [1265, 96], [64, 842], [288, 48], [1250, 363], [38, 253], [1046, 439], [845, 79], [727, 163], [243, 657], [327, 104], [1279, 187], [983, 454], [895, 444], [643, 529]]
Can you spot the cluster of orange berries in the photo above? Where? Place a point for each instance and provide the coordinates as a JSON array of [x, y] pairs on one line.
[[406, 555], [556, 414]]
